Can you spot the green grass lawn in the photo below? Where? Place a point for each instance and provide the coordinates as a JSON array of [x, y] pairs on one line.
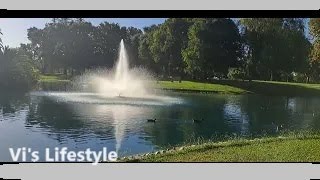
[[241, 87], [301, 148], [201, 87], [53, 78], [224, 86]]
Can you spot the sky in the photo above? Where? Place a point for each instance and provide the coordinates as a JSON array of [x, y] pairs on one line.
[[14, 30]]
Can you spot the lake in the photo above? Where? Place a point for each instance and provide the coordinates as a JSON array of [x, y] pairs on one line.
[[78, 120]]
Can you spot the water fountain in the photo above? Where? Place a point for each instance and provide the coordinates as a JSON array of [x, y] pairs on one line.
[[120, 85], [121, 81], [118, 90]]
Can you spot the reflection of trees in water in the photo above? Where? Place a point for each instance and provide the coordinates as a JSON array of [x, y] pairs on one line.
[[225, 115], [305, 112], [50, 114], [222, 115], [77, 121], [12, 102], [60, 120], [167, 129], [234, 115], [175, 125], [264, 113]]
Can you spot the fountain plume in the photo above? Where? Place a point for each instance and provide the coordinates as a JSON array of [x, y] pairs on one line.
[[121, 81]]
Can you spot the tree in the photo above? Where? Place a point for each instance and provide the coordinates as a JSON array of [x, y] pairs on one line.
[[261, 36], [1, 44], [167, 43], [276, 46], [106, 43], [73, 45], [214, 46], [160, 46], [17, 71], [63, 44], [298, 46], [314, 27], [145, 54]]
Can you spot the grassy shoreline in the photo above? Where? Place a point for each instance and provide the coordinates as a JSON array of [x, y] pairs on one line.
[[223, 86], [56, 78], [295, 147], [190, 86], [244, 87]]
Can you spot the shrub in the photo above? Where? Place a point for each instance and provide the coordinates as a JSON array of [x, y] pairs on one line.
[[236, 73], [17, 70], [299, 77]]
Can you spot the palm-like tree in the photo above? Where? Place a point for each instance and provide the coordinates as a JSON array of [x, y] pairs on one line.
[[1, 44]]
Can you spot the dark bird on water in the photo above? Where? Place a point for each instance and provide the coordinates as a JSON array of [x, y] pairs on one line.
[[152, 120], [197, 120]]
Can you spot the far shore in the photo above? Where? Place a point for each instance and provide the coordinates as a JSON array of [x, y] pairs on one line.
[[222, 86]]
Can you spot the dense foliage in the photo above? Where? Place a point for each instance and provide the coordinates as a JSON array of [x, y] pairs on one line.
[[276, 47], [188, 48], [17, 71]]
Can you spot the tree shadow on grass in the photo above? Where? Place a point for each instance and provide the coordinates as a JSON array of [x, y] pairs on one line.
[[272, 88]]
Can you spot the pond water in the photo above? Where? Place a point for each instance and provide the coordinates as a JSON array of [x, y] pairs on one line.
[[41, 119]]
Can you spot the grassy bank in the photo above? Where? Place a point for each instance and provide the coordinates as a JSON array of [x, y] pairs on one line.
[[287, 148], [200, 87], [224, 86], [274, 87], [53, 78], [242, 87]]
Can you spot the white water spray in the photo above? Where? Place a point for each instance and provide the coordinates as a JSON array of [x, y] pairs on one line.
[[122, 66], [122, 82]]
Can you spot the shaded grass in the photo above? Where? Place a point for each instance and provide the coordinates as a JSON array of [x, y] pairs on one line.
[[274, 87], [294, 147]]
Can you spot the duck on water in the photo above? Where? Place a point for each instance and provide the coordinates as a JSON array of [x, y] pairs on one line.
[[197, 120], [194, 120], [152, 120]]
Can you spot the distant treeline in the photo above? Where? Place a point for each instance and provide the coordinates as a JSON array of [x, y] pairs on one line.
[[190, 48]]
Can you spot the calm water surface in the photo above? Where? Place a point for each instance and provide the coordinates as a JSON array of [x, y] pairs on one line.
[[39, 120]]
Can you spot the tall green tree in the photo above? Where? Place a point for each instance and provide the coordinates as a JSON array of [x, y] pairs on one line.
[[314, 27], [214, 45], [145, 54], [1, 44], [296, 47], [276, 46], [17, 71], [73, 45]]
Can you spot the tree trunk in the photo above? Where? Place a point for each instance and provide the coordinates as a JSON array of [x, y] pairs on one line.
[[181, 74], [65, 72], [271, 76]]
